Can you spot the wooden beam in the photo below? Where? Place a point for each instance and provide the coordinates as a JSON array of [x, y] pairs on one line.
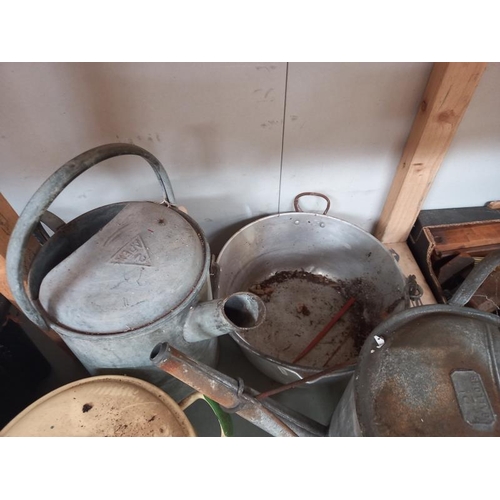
[[8, 219], [494, 205], [448, 93], [4, 286]]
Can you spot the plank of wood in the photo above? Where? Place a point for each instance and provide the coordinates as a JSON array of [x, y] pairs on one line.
[[454, 267], [4, 285], [448, 93], [487, 297], [465, 237], [8, 219], [494, 205], [409, 266]]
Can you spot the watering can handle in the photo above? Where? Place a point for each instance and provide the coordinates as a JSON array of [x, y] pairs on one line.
[[310, 193], [45, 195], [475, 279]]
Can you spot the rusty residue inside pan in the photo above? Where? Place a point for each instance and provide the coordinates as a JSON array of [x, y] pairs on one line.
[[299, 305]]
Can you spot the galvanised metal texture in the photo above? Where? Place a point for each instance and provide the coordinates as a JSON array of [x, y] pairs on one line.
[[428, 371], [317, 244], [243, 310], [139, 268], [344, 421], [475, 279], [45, 195], [269, 415], [434, 374], [426, 380], [118, 280]]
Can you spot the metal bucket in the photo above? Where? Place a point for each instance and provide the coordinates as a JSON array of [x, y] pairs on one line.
[[306, 266]]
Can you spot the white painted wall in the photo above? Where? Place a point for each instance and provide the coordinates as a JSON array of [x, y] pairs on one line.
[[217, 128], [346, 125], [470, 173]]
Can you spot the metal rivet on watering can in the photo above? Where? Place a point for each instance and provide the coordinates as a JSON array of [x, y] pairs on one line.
[[321, 224], [297, 222]]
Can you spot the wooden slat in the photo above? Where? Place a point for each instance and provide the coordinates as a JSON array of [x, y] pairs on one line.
[[487, 297], [8, 218], [446, 98], [454, 267], [494, 205], [465, 237], [4, 286], [409, 266]]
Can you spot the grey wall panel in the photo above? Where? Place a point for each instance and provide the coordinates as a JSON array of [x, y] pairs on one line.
[[215, 127], [470, 173], [346, 125], [218, 129]]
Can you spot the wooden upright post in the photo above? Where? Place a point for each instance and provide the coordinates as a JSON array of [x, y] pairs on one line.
[[446, 98], [8, 219]]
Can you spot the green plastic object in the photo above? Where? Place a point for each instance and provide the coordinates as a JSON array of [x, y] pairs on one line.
[[225, 420]]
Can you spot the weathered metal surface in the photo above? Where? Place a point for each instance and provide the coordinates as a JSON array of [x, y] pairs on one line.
[[316, 244], [409, 387], [242, 312], [52, 221], [45, 195], [139, 268], [324, 375], [269, 416], [296, 205], [120, 279], [473, 400], [344, 421], [65, 241], [436, 374], [475, 279], [299, 305]]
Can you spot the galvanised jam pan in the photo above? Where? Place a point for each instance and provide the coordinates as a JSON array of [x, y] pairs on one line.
[[306, 267], [426, 371]]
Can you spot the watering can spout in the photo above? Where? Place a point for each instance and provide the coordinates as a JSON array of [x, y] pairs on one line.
[[239, 312]]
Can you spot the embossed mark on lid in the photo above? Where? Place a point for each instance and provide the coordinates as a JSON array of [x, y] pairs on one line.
[[472, 398], [140, 267], [434, 376], [134, 252]]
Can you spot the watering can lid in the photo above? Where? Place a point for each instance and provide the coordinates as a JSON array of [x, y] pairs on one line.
[[109, 405], [146, 263], [433, 376]]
